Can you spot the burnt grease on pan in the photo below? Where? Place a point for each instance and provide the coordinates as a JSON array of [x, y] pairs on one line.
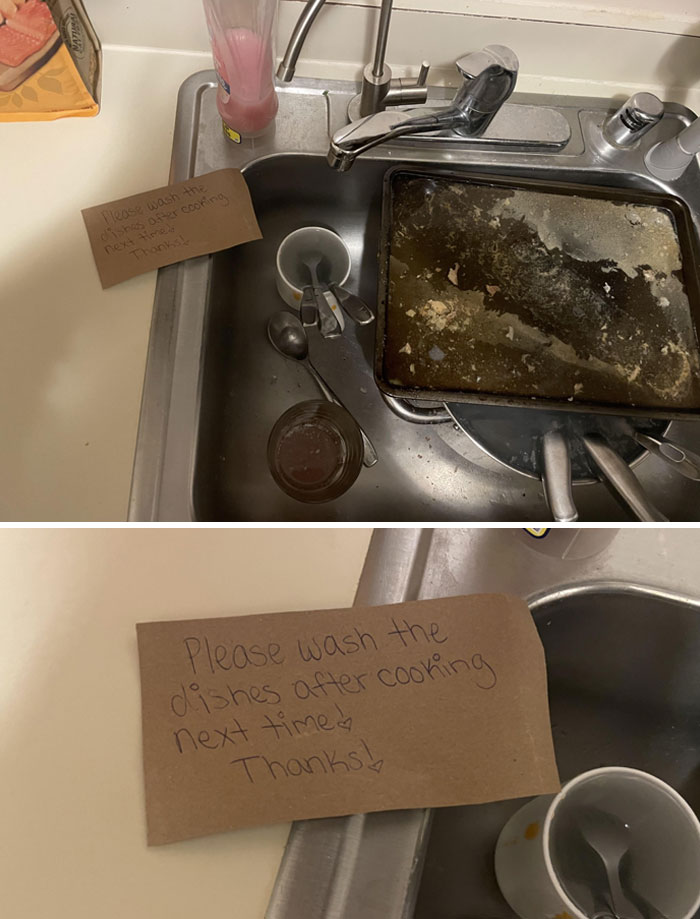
[[530, 293]]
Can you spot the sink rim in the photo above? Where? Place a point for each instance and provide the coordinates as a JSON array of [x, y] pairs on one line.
[[540, 599]]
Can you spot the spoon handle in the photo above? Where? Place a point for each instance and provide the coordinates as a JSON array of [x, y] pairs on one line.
[[621, 904], [370, 457]]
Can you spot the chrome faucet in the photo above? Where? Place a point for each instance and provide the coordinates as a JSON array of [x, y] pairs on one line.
[[378, 88], [489, 78]]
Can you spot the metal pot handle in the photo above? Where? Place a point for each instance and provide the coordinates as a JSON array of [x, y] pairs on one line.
[[409, 412], [556, 477], [618, 475]]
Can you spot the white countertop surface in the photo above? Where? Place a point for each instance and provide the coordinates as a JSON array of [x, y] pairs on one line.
[[71, 795], [72, 356]]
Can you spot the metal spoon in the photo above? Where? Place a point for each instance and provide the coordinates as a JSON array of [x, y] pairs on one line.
[[608, 836], [288, 336]]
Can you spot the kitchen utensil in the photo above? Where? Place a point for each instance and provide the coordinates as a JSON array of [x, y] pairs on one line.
[[331, 322], [647, 909], [537, 850], [354, 306], [288, 336], [609, 837], [315, 451], [621, 480], [292, 276], [537, 294], [679, 458], [556, 477], [308, 310]]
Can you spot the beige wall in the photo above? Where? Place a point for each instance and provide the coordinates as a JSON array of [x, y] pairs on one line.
[[71, 789], [583, 47], [181, 21]]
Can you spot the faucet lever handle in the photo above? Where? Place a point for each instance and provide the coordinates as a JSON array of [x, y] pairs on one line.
[[473, 63], [404, 91], [423, 74]]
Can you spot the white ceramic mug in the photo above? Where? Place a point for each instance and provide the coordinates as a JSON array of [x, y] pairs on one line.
[[292, 276], [664, 839]]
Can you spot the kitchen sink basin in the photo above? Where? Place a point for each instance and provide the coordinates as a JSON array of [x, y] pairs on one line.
[[214, 386], [624, 690]]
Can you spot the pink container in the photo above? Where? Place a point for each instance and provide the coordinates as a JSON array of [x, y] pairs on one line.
[[242, 38]]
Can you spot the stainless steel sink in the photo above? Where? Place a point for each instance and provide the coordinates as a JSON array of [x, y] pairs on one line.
[[621, 634], [214, 387]]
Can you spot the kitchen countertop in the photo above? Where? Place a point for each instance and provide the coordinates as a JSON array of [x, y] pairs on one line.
[[72, 356], [73, 818]]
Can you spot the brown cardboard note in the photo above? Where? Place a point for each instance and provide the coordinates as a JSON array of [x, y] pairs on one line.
[[286, 716], [166, 225]]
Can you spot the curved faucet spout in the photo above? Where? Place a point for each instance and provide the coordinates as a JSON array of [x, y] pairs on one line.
[[285, 71]]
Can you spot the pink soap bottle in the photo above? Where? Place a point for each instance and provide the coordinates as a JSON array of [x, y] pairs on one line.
[[242, 36]]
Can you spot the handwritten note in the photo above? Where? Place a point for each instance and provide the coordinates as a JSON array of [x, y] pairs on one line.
[[166, 225], [269, 718]]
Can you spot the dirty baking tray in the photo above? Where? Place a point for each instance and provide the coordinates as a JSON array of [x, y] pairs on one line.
[[524, 292]]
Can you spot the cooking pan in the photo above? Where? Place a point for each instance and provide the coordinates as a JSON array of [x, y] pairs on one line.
[[564, 449], [532, 294]]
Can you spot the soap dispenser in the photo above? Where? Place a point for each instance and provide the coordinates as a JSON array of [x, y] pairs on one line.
[[242, 34]]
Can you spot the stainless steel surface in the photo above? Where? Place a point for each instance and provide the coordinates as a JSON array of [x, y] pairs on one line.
[[288, 336], [609, 838], [671, 158], [403, 91], [618, 475], [378, 88], [489, 78], [647, 909], [356, 308], [633, 119], [366, 865], [329, 326], [556, 477], [308, 310], [402, 408], [682, 460], [606, 636], [213, 386], [382, 38]]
